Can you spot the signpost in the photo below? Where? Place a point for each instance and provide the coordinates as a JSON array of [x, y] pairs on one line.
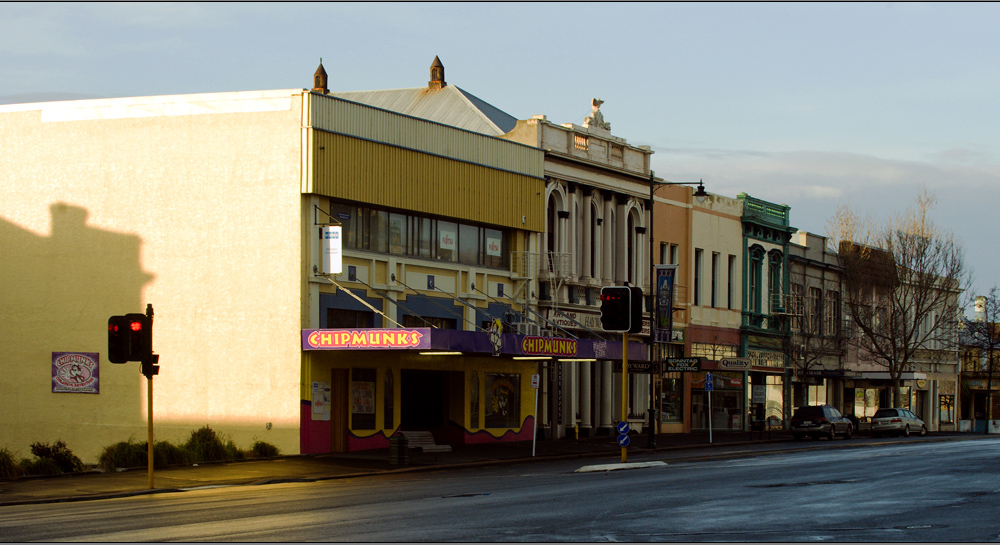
[[534, 436], [623, 439], [709, 386]]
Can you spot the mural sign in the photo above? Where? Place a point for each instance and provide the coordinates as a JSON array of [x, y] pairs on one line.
[[75, 372]]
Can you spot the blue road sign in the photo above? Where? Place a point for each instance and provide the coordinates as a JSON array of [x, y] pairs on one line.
[[709, 382], [623, 427], [623, 440]]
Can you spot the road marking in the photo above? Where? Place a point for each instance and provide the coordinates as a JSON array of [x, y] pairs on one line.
[[614, 467]]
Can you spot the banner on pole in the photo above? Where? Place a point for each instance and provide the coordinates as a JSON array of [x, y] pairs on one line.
[[664, 302]]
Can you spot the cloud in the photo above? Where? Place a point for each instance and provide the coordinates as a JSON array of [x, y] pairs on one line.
[[816, 183]]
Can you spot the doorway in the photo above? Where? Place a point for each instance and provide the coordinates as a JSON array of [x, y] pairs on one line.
[[423, 400]]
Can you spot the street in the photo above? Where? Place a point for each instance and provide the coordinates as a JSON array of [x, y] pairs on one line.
[[908, 490]]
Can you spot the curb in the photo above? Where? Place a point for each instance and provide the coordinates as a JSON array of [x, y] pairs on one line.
[[708, 456]]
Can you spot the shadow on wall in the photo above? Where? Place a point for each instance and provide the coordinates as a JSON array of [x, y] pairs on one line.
[[56, 294]]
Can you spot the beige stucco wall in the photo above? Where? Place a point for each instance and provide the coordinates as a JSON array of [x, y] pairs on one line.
[[190, 203], [716, 227]]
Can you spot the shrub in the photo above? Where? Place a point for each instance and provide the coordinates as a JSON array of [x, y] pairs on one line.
[[40, 466], [233, 452], [60, 454], [167, 454], [124, 454], [9, 468], [205, 445], [262, 449]]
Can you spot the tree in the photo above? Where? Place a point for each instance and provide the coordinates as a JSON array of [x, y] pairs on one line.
[[902, 281], [982, 333]]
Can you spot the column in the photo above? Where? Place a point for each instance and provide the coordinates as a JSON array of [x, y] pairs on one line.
[[585, 395], [607, 232], [588, 220], [607, 401], [621, 239]]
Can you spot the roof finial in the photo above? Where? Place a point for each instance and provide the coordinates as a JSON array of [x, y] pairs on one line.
[[320, 80], [437, 75]]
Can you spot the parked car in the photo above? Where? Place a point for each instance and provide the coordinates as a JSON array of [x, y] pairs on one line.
[[820, 421], [897, 421]]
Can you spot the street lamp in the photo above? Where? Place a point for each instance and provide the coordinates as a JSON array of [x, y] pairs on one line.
[[700, 194]]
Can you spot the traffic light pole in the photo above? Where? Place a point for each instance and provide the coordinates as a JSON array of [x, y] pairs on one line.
[[149, 439], [149, 369], [624, 388]]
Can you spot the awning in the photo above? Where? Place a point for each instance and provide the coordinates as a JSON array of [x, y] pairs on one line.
[[469, 342]]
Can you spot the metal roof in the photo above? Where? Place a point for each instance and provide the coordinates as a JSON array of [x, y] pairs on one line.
[[450, 106]]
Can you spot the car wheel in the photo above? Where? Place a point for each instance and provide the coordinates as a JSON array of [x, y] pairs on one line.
[[797, 436], [833, 433], [923, 431], [850, 432], [906, 431]]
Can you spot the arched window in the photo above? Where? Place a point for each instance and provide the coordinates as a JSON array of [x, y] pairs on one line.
[[774, 276], [756, 272], [630, 242]]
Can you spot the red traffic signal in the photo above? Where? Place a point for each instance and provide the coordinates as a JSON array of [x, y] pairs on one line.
[[621, 309], [130, 338], [616, 305]]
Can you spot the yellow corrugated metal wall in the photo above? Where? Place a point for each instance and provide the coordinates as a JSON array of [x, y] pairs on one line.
[[359, 170]]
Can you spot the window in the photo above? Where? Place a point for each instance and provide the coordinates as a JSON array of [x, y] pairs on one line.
[[794, 307], [756, 272], [447, 241], [468, 244], [363, 399], [813, 311], [774, 276], [397, 233], [664, 252], [375, 230], [831, 313], [493, 247], [715, 275], [729, 281], [947, 408], [672, 398], [697, 276]]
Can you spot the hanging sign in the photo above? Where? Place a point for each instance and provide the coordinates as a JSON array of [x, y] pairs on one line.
[[333, 250]]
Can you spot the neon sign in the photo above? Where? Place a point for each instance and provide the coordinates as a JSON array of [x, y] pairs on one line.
[[364, 339], [546, 346]]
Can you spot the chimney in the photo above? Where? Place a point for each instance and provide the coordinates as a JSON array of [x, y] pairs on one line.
[[437, 75], [319, 80]]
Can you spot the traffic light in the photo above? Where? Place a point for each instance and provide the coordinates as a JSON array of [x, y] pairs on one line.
[[118, 339], [616, 311], [130, 338], [636, 310]]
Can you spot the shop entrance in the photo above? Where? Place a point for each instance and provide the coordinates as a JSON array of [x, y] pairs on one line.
[[424, 400]]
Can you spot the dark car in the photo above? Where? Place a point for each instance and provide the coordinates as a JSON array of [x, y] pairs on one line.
[[820, 421], [897, 421]]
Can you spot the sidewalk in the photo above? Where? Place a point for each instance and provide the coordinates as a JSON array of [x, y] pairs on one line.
[[98, 485]]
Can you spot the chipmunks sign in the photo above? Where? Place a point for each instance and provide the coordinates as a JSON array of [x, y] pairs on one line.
[[366, 339]]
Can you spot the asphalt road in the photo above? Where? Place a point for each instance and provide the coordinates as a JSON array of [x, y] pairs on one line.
[[892, 491]]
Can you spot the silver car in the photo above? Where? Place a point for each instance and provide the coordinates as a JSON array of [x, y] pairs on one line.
[[897, 421]]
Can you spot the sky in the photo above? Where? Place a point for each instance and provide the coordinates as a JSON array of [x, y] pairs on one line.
[[813, 105]]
